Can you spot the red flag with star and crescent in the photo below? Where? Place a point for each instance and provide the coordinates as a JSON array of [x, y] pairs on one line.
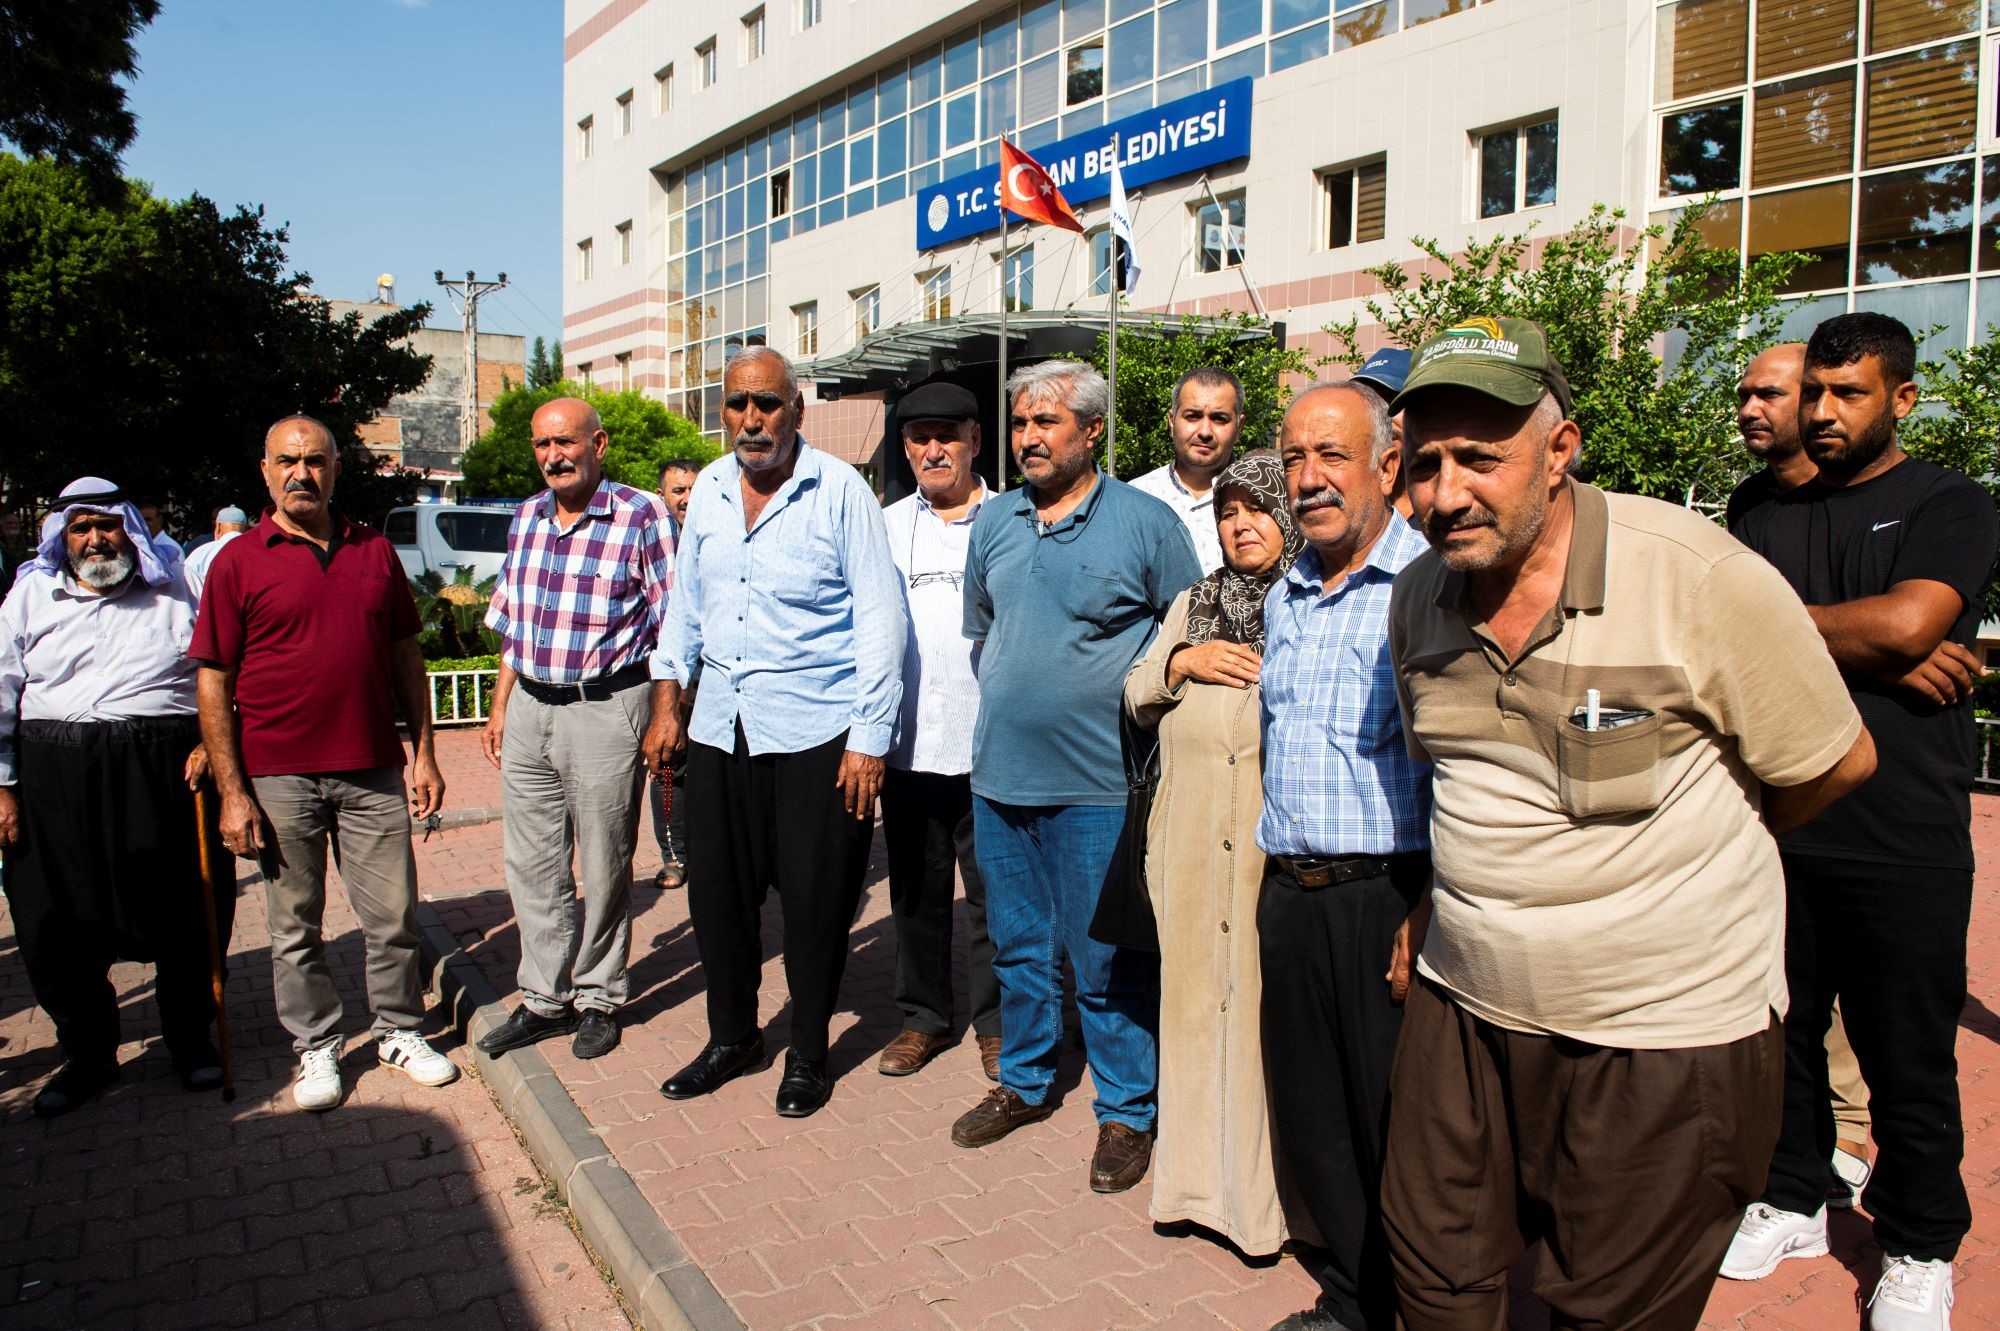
[[1027, 191]]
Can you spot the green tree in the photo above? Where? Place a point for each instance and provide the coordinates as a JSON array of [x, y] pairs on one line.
[[1650, 425], [644, 435], [153, 342], [545, 364], [60, 66], [1152, 358], [1957, 421]]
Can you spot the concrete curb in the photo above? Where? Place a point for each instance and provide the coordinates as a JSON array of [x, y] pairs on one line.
[[658, 1278]]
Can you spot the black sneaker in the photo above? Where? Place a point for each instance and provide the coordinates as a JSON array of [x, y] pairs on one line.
[[525, 1027]]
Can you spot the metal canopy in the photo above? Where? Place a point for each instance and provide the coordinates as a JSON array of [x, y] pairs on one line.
[[892, 359]]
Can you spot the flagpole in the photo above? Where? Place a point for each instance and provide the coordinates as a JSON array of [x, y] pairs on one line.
[[1006, 439], [1111, 408]]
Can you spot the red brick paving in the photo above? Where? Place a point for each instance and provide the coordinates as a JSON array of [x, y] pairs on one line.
[[867, 1215], [406, 1207], [862, 1216]]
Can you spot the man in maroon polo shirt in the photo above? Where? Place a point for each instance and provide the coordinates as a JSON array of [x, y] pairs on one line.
[[307, 640]]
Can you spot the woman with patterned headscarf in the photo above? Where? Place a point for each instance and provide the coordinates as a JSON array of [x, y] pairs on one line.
[[1215, 1164]]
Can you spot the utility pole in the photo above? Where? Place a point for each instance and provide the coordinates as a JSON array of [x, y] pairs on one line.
[[465, 298]]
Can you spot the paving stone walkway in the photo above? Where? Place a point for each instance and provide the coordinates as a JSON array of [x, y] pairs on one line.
[[867, 1216], [152, 1208]]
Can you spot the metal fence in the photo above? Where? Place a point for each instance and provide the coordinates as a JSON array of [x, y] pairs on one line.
[[1989, 734], [460, 697]]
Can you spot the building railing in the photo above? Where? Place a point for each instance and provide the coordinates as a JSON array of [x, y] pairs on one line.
[[1989, 735], [460, 697]]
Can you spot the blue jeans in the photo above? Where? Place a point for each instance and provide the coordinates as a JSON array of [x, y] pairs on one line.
[[1044, 867]]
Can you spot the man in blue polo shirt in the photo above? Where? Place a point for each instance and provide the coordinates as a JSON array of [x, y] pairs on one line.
[[1065, 581]]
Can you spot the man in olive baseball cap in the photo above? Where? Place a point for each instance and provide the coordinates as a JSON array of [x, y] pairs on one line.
[[1504, 358]]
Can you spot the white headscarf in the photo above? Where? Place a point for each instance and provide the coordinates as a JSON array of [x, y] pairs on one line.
[[94, 494]]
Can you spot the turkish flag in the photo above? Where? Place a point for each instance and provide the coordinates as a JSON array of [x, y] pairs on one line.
[[1026, 190]]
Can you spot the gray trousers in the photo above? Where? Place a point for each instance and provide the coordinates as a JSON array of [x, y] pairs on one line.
[[367, 818], [570, 780]]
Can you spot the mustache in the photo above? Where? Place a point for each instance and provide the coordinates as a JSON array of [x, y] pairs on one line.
[[100, 550], [941, 464], [1441, 524], [1035, 451], [559, 467], [1312, 500], [300, 486], [757, 441]]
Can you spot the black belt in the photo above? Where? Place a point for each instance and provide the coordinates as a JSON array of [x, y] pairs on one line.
[[589, 690], [1315, 871], [127, 728]]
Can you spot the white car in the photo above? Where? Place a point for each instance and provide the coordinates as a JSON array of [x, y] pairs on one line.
[[443, 538]]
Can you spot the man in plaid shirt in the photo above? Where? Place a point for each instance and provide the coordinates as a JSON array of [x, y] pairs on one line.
[[579, 606]]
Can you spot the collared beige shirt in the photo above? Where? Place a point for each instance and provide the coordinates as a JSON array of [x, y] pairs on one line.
[[1617, 886]]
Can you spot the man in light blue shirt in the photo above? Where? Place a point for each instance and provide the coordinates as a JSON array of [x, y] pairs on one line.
[[1065, 581], [786, 598], [1346, 823]]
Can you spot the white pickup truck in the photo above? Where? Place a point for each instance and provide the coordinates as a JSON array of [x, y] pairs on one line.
[[442, 538]]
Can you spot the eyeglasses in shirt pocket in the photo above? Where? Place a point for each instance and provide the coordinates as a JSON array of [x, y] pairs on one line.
[[1609, 773]]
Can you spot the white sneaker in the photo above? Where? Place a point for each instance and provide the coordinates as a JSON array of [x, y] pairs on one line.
[[412, 1053], [1911, 1296], [1850, 1176], [1768, 1236], [318, 1086]]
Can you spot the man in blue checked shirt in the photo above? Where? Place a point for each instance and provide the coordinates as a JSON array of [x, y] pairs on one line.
[[787, 600], [578, 608], [1346, 823]]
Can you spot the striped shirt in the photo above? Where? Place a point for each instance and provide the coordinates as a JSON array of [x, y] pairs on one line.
[[586, 601], [1338, 778]]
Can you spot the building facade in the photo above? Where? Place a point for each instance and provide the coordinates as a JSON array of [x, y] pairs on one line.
[[771, 172]]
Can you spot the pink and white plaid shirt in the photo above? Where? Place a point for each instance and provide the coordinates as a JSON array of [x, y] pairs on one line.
[[580, 604]]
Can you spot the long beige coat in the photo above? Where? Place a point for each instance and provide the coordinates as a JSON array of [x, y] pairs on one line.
[[1214, 1163]]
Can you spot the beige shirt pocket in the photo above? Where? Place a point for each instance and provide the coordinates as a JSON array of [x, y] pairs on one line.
[[1610, 773]]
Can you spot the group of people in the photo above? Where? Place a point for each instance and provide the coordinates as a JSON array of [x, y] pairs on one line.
[[1513, 841]]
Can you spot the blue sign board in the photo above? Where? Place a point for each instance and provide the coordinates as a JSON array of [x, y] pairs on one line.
[[1184, 135]]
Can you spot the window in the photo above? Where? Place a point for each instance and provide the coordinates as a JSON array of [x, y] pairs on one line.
[[1517, 168], [624, 360], [1701, 149], [1020, 279], [805, 328], [704, 55], [1218, 236], [1357, 204], [624, 230], [808, 14], [401, 528], [480, 533], [1803, 128], [753, 35], [934, 291], [1086, 73], [586, 373], [867, 311], [584, 135], [583, 257], [663, 91], [781, 193], [1101, 266], [625, 113]]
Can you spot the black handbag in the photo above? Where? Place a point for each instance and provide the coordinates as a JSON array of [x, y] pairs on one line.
[[1124, 915]]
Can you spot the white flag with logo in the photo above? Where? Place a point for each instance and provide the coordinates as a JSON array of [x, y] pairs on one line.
[[1121, 227]]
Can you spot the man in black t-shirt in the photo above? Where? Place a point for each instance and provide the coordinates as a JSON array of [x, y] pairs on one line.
[[1891, 555]]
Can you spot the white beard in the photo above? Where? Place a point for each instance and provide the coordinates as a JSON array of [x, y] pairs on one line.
[[102, 574]]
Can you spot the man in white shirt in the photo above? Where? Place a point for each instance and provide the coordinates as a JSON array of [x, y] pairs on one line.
[[99, 754], [230, 523], [1208, 418], [927, 792]]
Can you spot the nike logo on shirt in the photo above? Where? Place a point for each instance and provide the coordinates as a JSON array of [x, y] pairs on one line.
[[1890, 523]]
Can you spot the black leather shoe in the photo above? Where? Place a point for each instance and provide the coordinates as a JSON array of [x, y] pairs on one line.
[[1319, 1317], [73, 1085], [596, 1035], [524, 1028], [714, 1066], [200, 1068], [806, 1086]]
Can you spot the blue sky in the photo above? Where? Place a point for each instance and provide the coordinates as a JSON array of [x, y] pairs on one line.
[[397, 136]]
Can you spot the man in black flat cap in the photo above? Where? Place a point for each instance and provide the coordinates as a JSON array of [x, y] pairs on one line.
[[927, 793]]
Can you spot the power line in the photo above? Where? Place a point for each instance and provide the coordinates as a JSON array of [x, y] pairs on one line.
[[465, 297]]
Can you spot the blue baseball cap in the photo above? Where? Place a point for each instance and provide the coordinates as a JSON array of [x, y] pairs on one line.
[[1385, 371]]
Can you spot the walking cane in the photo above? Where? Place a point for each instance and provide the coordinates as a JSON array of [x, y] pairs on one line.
[[208, 891]]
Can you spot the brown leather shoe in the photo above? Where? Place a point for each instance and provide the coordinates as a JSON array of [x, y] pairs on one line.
[[909, 1051], [1121, 1157], [989, 1056], [994, 1117]]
